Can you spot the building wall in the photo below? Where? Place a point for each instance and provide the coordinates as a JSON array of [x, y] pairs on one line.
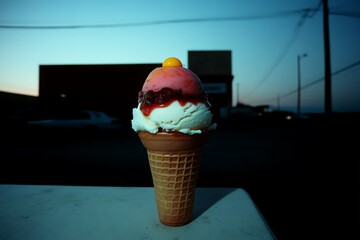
[[214, 70], [109, 88]]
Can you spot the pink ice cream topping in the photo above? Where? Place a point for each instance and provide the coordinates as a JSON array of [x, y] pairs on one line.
[[176, 78]]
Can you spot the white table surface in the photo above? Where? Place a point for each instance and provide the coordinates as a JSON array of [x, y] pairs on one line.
[[84, 212]]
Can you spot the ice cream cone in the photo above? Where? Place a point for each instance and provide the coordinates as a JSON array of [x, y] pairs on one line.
[[174, 160]]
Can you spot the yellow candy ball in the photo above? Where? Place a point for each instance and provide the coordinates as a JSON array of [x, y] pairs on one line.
[[172, 62]]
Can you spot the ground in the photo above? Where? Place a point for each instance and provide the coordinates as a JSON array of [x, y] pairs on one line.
[[302, 175]]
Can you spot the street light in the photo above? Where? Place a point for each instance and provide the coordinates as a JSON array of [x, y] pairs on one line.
[[299, 57]]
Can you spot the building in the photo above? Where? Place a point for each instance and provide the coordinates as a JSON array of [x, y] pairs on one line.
[[214, 70], [113, 88], [110, 88]]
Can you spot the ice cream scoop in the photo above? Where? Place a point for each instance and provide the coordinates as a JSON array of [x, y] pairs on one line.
[[172, 99]]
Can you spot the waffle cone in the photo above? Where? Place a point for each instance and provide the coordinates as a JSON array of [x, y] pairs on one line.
[[174, 160]]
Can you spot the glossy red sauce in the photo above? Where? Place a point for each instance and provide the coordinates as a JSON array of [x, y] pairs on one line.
[[150, 100]]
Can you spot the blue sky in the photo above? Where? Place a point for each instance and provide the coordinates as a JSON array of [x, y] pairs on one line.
[[265, 37]]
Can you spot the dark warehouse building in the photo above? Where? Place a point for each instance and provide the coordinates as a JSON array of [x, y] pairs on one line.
[[109, 88]]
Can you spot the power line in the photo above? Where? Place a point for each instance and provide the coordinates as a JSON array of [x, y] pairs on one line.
[[307, 13], [279, 59], [346, 13], [312, 83], [333, 74], [160, 22]]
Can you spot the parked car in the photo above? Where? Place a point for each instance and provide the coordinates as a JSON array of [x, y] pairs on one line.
[[78, 120]]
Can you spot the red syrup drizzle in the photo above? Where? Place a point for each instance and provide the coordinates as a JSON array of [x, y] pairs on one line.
[[150, 100]]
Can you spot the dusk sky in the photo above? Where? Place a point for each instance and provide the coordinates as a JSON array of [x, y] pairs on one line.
[[265, 37]]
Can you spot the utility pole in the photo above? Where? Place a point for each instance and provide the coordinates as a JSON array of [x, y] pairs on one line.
[[237, 94], [299, 57], [328, 97]]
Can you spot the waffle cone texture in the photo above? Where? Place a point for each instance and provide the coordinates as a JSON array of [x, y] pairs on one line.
[[174, 160]]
